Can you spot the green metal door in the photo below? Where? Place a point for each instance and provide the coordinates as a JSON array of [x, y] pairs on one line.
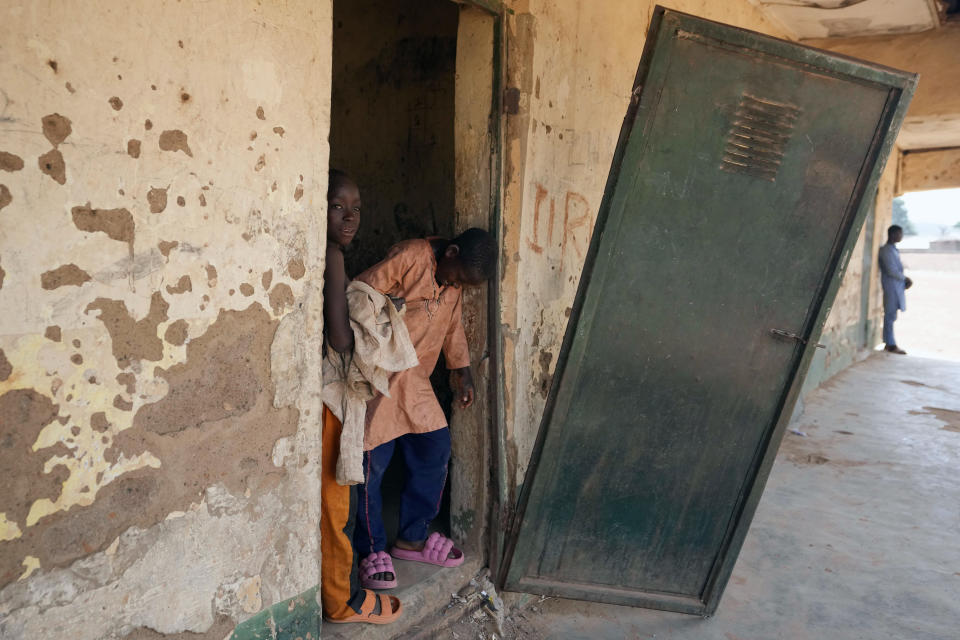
[[741, 179]]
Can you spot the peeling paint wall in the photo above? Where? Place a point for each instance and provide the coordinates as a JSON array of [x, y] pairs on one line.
[[570, 70], [163, 170]]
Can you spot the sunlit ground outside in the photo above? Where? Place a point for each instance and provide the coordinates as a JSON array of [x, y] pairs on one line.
[[930, 327]]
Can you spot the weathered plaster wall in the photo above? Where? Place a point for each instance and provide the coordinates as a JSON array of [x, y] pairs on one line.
[[570, 70], [161, 220]]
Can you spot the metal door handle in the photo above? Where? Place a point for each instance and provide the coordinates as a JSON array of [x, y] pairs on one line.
[[786, 334]]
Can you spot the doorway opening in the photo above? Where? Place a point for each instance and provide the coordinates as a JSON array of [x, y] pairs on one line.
[[412, 122], [930, 253]]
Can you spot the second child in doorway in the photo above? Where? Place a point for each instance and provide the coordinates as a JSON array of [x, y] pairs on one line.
[[429, 276]]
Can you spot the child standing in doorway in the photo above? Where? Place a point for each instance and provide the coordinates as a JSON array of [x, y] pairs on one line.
[[342, 598], [429, 276]]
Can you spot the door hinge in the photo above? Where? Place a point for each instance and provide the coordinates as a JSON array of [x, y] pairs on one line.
[[780, 333]]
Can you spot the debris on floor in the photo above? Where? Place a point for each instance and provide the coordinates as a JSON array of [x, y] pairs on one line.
[[477, 611]]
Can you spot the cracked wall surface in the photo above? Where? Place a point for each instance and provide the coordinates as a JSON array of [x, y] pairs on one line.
[[162, 180]]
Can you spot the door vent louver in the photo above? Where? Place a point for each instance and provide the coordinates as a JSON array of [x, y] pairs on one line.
[[758, 137]]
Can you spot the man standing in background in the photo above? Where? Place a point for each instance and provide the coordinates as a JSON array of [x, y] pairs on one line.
[[894, 285]]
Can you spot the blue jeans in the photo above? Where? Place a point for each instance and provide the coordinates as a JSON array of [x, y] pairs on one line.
[[426, 456], [888, 319]]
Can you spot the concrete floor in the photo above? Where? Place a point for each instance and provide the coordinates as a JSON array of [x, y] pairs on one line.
[[857, 535]]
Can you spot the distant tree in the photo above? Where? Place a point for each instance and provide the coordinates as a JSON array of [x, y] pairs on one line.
[[957, 226], [901, 218]]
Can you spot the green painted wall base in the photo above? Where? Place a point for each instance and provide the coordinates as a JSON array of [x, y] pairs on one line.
[[297, 618]]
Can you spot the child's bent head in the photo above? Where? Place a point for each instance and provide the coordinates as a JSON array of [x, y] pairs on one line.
[[343, 208], [469, 260]]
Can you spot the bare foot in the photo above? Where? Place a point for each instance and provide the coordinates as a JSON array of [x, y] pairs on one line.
[[410, 546]]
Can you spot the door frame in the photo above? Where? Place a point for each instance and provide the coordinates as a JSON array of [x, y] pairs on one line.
[[497, 509], [480, 503], [480, 536]]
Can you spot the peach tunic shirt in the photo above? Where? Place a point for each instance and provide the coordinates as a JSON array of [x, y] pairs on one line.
[[433, 319]]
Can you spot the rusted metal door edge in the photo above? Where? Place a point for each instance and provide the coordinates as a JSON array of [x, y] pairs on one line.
[[901, 86]]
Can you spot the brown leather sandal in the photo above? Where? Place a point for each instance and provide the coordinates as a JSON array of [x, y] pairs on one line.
[[370, 600]]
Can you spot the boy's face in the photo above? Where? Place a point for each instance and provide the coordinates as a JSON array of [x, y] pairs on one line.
[[452, 272], [896, 236], [343, 211]]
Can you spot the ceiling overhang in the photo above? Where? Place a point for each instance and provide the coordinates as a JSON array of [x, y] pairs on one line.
[[851, 18], [929, 132]]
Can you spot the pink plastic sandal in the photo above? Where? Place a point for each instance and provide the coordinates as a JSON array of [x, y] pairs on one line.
[[377, 562], [436, 550]]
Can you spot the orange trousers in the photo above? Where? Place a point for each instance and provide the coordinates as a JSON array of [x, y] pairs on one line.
[[340, 591]]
